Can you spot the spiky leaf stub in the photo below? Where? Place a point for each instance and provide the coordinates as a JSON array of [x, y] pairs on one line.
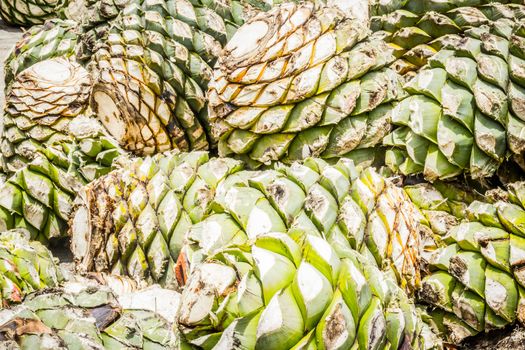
[[384, 7], [292, 290], [298, 82], [25, 267]]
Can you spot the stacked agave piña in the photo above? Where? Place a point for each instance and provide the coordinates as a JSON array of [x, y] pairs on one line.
[[301, 81], [30, 12], [134, 220], [477, 273], [25, 266], [416, 30], [86, 315], [463, 113], [153, 70], [40, 105], [50, 147], [294, 291], [54, 38]]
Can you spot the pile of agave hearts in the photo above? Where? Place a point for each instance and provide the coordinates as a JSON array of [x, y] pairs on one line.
[[262, 174]]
